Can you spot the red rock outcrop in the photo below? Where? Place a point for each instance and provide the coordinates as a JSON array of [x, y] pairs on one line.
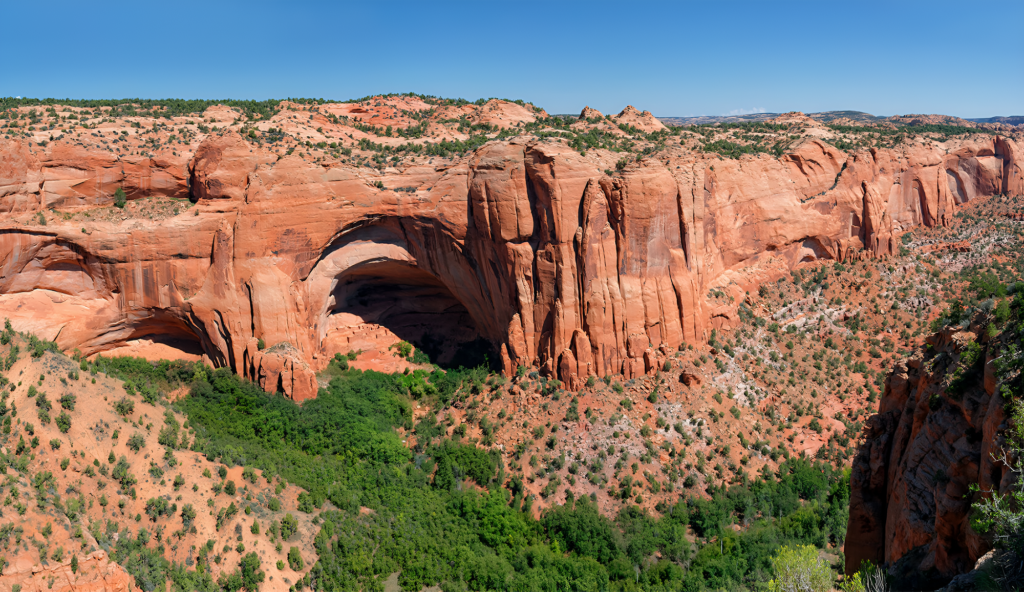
[[793, 118], [642, 120], [525, 244], [909, 485], [95, 573], [506, 114], [69, 177]]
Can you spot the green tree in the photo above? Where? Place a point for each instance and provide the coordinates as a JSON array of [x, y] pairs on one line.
[[63, 422], [120, 198], [136, 442], [188, 515], [799, 569], [251, 574], [156, 507], [289, 526], [67, 401]]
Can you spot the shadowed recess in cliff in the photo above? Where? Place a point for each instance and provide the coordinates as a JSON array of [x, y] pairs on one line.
[[415, 306], [157, 334]]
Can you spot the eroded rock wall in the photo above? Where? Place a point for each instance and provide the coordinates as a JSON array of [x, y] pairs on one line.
[[909, 485], [559, 263]]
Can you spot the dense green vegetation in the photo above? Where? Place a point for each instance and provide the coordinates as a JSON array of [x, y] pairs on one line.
[[430, 524]]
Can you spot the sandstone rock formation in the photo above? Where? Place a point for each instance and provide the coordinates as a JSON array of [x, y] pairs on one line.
[[910, 499], [527, 245], [505, 114], [589, 113], [642, 120], [95, 573]]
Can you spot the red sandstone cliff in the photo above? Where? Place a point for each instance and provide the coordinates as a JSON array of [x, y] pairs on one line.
[[910, 501], [542, 251]]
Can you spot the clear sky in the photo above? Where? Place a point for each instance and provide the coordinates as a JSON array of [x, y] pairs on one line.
[[674, 58]]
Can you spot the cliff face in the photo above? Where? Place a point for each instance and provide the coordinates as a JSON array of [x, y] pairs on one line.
[[910, 499], [526, 244]]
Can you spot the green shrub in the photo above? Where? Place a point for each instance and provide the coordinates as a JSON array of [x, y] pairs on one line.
[[188, 515], [124, 406], [799, 569], [157, 507], [289, 526], [136, 442], [63, 422], [404, 348]]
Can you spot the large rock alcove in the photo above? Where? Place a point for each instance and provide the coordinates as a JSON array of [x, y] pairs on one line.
[[374, 293]]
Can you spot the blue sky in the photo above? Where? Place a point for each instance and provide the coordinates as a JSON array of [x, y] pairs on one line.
[[674, 59]]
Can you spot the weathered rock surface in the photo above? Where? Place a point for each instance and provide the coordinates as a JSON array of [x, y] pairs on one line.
[[642, 120], [910, 499], [95, 573], [525, 244]]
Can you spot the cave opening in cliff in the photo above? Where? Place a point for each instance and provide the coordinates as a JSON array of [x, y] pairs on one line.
[[416, 307], [160, 337]]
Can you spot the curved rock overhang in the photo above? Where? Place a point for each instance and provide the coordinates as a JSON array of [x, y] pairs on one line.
[[528, 245]]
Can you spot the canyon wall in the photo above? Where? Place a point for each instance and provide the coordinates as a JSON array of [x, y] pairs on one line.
[[527, 245], [910, 503]]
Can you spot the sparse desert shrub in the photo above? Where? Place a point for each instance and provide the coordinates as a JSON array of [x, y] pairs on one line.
[[136, 442]]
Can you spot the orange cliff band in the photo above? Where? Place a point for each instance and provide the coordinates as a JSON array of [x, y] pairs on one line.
[[543, 252]]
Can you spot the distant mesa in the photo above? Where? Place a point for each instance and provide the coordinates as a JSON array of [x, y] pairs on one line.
[[1011, 120]]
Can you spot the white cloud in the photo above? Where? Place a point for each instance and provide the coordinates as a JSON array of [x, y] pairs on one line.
[[747, 111]]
